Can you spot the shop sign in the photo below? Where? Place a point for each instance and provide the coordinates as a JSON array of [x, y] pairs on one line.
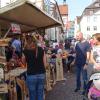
[[15, 28]]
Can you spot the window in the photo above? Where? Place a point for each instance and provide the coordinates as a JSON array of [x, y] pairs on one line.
[[88, 28], [95, 28], [97, 4], [88, 19], [91, 12], [95, 19], [64, 20]]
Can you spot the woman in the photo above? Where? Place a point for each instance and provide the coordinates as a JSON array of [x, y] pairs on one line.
[[36, 62], [95, 57], [95, 52]]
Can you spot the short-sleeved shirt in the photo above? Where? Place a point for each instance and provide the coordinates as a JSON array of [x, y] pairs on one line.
[[17, 45], [96, 53], [81, 52]]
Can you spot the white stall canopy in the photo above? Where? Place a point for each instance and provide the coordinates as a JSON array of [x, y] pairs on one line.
[[27, 15]]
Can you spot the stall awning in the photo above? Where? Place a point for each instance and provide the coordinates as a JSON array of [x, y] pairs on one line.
[[27, 15]]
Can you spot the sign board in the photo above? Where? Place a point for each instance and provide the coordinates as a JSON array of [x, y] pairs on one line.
[[15, 28]]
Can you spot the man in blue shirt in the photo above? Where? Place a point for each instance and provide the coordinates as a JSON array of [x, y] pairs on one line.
[[82, 49], [16, 44]]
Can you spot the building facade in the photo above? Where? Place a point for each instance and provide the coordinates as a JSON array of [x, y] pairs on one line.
[[54, 34], [77, 25], [90, 19], [71, 28], [64, 14]]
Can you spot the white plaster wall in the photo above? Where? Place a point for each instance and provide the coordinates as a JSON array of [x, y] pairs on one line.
[[84, 23], [76, 27]]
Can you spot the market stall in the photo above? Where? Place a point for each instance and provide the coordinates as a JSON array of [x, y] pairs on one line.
[[27, 17]]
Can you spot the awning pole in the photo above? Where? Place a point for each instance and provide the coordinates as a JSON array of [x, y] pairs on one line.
[[7, 33]]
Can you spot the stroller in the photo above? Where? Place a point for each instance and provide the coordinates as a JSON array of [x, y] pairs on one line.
[[94, 87]]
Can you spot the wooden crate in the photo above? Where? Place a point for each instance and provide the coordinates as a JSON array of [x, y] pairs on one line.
[[3, 88]]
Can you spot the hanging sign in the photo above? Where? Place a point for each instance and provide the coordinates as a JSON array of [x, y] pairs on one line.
[[15, 28]]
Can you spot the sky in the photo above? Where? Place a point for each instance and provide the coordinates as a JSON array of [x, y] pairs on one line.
[[76, 7]]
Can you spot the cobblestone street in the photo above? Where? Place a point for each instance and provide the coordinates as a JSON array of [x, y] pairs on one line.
[[65, 90]]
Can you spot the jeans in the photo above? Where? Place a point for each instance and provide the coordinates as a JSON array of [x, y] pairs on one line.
[[70, 60], [79, 71], [35, 84]]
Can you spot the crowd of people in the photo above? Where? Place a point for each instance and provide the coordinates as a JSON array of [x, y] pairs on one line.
[[79, 53], [87, 53], [83, 54]]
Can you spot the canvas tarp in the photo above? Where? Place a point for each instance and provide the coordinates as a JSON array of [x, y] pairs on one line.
[[27, 15]]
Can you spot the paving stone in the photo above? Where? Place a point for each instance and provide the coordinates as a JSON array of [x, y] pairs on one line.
[[64, 90]]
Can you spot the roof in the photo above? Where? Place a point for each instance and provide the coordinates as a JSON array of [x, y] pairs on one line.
[[78, 19], [63, 9], [27, 15], [92, 8]]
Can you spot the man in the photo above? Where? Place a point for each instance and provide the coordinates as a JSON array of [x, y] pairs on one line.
[[16, 44], [82, 56]]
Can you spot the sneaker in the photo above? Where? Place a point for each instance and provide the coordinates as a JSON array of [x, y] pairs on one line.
[[77, 89]]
